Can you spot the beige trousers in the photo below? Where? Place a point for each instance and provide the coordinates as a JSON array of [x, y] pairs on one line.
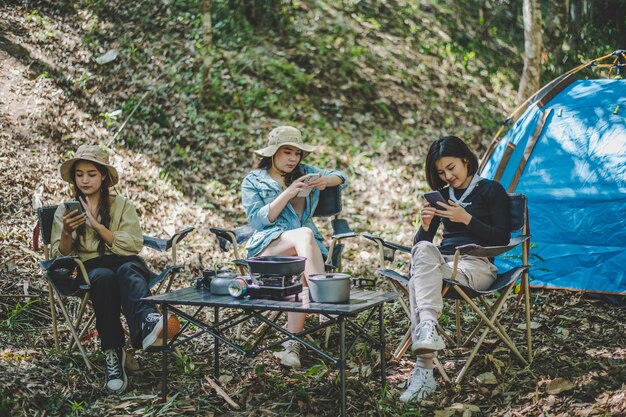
[[429, 267]]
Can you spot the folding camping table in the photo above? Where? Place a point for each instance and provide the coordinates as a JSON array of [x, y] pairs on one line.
[[342, 315]]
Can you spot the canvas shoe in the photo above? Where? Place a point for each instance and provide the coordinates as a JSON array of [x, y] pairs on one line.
[[290, 356], [115, 374], [152, 328], [426, 339], [421, 384]]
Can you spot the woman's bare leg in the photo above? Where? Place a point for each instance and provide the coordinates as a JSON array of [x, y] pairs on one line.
[[298, 242]]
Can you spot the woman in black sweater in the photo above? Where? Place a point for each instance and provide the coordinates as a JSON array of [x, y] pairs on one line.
[[477, 211]]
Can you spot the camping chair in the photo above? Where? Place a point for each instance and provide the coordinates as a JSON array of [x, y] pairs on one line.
[[329, 205], [452, 289], [61, 275]]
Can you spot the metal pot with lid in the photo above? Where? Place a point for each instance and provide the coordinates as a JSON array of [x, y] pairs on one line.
[[329, 288]]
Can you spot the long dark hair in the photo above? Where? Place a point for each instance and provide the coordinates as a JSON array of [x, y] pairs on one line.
[[266, 163], [104, 208], [448, 146]]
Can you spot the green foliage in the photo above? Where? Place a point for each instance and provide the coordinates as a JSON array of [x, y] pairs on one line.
[[16, 318]]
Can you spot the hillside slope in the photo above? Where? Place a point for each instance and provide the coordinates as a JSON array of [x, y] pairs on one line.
[[371, 82]]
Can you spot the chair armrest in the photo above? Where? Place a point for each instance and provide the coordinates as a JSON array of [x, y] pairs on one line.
[[341, 229], [240, 262], [393, 275], [386, 244], [490, 251], [65, 262], [161, 244], [225, 236]]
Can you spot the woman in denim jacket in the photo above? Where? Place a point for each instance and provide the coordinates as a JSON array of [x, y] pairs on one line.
[[273, 200]]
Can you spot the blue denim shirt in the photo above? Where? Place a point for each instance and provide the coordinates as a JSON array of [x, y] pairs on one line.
[[259, 189]]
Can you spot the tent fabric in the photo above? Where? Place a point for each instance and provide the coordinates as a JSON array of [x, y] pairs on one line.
[[575, 181]]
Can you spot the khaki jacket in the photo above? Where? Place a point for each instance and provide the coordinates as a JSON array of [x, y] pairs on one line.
[[124, 224]]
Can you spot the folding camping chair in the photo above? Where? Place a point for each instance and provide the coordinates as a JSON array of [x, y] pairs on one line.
[[329, 205], [501, 288], [62, 273]]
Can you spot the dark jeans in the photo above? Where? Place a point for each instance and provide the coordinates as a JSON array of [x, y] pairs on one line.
[[117, 284]]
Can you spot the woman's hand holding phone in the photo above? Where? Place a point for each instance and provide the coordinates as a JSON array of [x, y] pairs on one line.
[[72, 220], [296, 188], [310, 181], [454, 213], [320, 182], [428, 212]]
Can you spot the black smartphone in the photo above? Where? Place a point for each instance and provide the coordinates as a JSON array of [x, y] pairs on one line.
[[74, 205], [434, 197]]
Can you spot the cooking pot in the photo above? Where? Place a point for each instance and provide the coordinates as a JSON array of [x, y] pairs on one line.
[[276, 265], [329, 288], [220, 282]]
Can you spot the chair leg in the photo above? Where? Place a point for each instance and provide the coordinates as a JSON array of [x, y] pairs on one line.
[[526, 285], [74, 334], [84, 329], [457, 315], [489, 323], [53, 313], [402, 347], [442, 371]]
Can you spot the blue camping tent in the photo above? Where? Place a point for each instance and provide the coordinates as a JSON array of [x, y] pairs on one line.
[[567, 153]]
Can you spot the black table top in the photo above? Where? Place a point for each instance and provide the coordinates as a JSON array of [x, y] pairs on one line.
[[360, 300]]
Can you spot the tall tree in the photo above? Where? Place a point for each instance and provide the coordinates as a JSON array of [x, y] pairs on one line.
[[207, 29], [531, 74]]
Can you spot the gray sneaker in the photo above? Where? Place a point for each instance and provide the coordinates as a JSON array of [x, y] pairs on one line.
[[421, 384], [426, 339]]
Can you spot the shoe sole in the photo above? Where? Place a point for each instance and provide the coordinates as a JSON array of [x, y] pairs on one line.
[[420, 348], [155, 338], [125, 378]]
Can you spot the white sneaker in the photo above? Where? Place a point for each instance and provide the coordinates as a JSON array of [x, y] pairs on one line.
[[426, 339], [290, 357], [421, 384]]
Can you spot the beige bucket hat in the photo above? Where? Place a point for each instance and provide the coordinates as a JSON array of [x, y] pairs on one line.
[[284, 136], [91, 153]]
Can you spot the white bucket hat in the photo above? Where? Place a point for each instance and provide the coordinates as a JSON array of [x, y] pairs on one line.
[[284, 136]]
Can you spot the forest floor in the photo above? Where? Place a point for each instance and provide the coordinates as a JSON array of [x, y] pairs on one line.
[[579, 343]]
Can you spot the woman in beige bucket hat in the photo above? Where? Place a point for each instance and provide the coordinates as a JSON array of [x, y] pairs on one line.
[[106, 235], [279, 199]]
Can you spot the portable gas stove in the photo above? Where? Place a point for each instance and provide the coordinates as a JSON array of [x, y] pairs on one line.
[[265, 286]]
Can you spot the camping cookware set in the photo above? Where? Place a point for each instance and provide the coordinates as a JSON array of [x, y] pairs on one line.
[[276, 277]]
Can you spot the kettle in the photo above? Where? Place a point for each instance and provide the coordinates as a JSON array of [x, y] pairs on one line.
[[220, 282]]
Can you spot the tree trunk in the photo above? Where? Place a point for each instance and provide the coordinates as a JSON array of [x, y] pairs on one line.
[[207, 61], [531, 74]]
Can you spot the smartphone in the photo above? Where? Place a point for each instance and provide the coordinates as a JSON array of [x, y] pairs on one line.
[[434, 197], [74, 205], [309, 178]]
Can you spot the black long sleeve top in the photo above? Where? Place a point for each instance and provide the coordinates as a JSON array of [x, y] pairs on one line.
[[490, 224]]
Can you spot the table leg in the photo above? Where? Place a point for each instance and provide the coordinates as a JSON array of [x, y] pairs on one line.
[[342, 363], [216, 344], [381, 335], [164, 349]]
